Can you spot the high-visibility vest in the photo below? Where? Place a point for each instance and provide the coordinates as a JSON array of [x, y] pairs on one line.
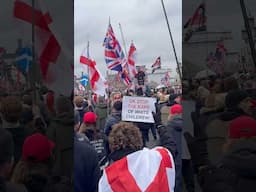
[[147, 170]]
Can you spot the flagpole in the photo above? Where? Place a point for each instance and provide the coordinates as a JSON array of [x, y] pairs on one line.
[[33, 67], [123, 40], [177, 62], [249, 32], [89, 84]]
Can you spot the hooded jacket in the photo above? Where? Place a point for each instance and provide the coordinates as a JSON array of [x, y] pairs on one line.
[[235, 172], [86, 168], [60, 132], [101, 111]]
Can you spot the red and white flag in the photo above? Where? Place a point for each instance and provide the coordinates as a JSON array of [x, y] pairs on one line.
[[97, 81], [147, 170], [131, 61], [54, 58]]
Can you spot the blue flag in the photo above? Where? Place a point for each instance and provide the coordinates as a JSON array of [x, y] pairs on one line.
[[84, 80], [24, 59]]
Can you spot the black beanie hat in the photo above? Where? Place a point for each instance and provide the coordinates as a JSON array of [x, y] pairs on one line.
[[233, 98]]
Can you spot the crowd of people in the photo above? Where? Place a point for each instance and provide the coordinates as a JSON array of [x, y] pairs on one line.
[[36, 144], [203, 140]]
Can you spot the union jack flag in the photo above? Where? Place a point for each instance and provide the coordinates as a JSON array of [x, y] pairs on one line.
[[156, 65], [114, 55]]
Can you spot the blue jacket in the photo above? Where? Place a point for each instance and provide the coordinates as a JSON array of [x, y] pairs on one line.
[[113, 119]]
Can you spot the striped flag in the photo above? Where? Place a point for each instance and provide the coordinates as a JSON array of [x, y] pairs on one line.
[[156, 65], [148, 170]]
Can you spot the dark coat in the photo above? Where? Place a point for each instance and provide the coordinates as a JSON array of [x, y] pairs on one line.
[[19, 135], [235, 172], [101, 111], [175, 126], [113, 119], [10, 187], [86, 168], [99, 141], [60, 132]]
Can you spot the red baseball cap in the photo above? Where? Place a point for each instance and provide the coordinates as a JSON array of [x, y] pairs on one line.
[[37, 147], [243, 126], [176, 109], [90, 117]]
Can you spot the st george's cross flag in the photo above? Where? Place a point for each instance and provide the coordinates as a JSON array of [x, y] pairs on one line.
[[131, 60], [147, 170], [97, 81], [54, 58]]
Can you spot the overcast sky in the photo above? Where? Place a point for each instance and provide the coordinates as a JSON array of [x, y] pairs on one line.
[[142, 22]]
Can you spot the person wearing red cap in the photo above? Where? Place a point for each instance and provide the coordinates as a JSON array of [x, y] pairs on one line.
[[35, 164], [96, 138], [174, 127], [236, 170]]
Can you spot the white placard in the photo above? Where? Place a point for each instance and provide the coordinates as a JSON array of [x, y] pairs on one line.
[[138, 109]]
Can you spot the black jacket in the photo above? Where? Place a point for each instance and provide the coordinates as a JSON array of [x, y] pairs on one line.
[[236, 171], [86, 168]]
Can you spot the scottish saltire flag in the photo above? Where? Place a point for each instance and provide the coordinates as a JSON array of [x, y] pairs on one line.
[[84, 80], [24, 59], [156, 65], [114, 55]]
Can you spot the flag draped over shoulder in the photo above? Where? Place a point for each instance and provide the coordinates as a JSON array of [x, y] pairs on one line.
[[97, 81], [114, 56], [196, 23], [131, 60], [157, 166], [156, 65]]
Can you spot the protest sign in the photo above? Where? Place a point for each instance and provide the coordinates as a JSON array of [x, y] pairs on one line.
[[138, 109]]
